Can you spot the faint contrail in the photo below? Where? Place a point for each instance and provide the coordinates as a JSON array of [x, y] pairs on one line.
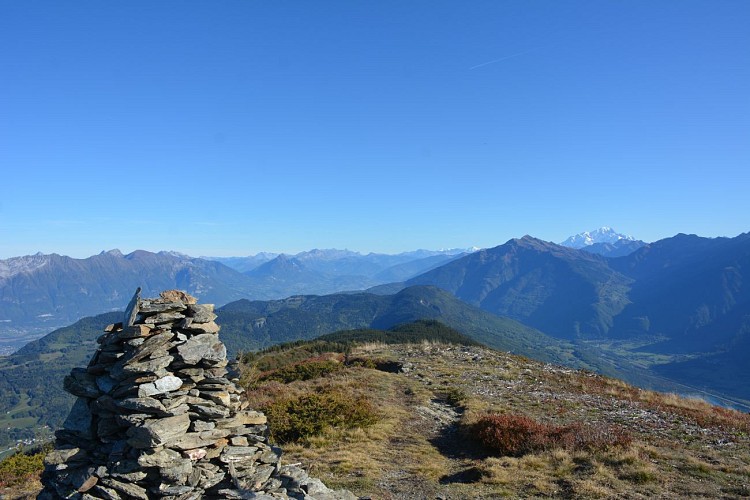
[[504, 58]]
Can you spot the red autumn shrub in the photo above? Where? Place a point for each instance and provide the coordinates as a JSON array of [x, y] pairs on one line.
[[511, 434]]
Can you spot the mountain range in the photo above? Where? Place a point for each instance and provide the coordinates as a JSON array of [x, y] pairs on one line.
[[676, 307], [41, 292], [673, 304], [343, 262], [676, 311]]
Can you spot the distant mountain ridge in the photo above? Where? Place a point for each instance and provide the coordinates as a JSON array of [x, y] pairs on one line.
[[40, 292], [56, 290], [562, 291], [337, 262], [684, 295]]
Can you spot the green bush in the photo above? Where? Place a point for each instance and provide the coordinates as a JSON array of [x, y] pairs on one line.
[[299, 418], [454, 396], [20, 467]]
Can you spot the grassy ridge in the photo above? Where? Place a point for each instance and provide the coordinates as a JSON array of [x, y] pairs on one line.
[[467, 422]]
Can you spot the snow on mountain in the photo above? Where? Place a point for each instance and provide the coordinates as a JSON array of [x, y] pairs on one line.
[[17, 265], [602, 235]]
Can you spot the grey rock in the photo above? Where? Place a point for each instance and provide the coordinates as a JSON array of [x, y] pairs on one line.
[[216, 371], [165, 317], [83, 479], [156, 306], [134, 332], [218, 397], [160, 386], [255, 476], [132, 419], [100, 491], [209, 411], [168, 383], [178, 472], [156, 432], [172, 402], [121, 371], [215, 383], [192, 440], [126, 489], [239, 441], [192, 373], [205, 347], [105, 403], [292, 476], [201, 313], [65, 455], [210, 475], [125, 466], [174, 490], [243, 418], [162, 458], [177, 410], [238, 453], [79, 419], [107, 427], [149, 346], [135, 342], [130, 477], [146, 390], [177, 295], [142, 405], [202, 425], [81, 383], [210, 328], [105, 383], [131, 311], [271, 456]]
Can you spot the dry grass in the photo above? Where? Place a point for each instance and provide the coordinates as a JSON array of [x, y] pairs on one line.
[[701, 412], [600, 438]]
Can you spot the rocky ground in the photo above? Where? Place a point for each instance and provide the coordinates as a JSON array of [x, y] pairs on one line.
[[420, 449]]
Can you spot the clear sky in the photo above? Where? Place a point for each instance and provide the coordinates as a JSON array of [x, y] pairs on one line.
[[232, 127]]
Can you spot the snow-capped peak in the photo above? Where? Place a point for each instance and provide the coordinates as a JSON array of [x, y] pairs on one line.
[[602, 235]]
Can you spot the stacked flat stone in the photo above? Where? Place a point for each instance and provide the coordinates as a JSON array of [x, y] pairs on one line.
[[158, 417]]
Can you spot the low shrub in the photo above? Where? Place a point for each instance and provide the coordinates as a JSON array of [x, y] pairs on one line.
[[304, 371], [20, 467], [298, 418], [363, 363], [455, 396], [511, 434], [516, 435]]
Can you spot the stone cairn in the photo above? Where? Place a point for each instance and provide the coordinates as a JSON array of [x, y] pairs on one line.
[[157, 417]]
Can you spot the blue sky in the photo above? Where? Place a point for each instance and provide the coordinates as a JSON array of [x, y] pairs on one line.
[[228, 128]]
